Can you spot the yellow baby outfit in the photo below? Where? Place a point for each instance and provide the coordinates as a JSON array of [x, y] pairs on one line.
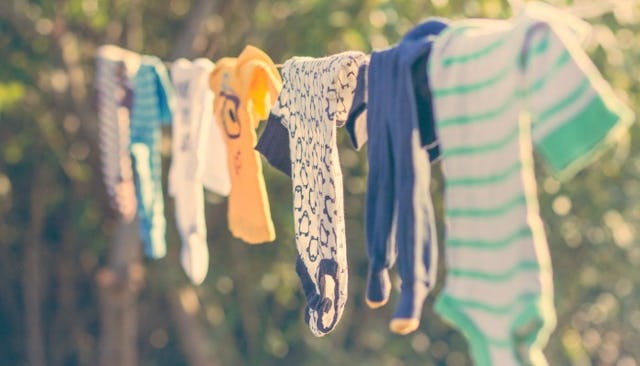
[[245, 88]]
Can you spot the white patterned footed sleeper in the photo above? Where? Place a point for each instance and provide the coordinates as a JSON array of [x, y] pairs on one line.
[[316, 98]]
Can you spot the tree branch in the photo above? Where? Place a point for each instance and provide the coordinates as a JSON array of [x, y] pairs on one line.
[[192, 26], [184, 307], [32, 276]]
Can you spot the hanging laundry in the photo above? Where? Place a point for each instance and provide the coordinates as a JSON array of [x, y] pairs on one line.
[[315, 99], [273, 143], [399, 221], [152, 105], [199, 156], [245, 89], [421, 101], [501, 89], [113, 90]]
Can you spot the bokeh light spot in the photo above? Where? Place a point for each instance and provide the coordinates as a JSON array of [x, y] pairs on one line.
[[159, 338]]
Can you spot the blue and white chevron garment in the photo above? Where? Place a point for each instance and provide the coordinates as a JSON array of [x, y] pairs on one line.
[[152, 105]]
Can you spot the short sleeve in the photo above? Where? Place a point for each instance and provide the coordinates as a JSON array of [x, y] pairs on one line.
[[574, 112], [260, 81], [263, 90]]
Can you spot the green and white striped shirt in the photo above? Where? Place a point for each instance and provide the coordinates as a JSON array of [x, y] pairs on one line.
[[501, 89]]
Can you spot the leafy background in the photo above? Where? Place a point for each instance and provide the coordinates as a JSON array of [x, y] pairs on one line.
[[75, 291]]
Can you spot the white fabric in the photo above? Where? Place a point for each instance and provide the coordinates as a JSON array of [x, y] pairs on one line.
[[198, 158]]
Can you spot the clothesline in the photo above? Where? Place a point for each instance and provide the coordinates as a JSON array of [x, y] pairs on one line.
[[457, 94], [169, 63]]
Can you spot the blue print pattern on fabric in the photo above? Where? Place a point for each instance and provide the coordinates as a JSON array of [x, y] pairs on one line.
[[316, 97]]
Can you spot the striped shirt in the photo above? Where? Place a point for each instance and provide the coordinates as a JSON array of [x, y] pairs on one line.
[[502, 89], [113, 101]]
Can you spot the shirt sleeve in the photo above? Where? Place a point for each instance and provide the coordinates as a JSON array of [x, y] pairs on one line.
[[574, 112], [274, 145], [260, 80], [424, 106], [212, 151], [209, 150], [356, 124]]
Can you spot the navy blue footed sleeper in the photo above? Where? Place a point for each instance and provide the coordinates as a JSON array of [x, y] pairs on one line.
[[399, 221]]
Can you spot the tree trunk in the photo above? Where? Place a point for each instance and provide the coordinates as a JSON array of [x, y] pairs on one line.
[[184, 307], [119, 285], [8, 301], [198, 14], [121, 281], [32, 276]]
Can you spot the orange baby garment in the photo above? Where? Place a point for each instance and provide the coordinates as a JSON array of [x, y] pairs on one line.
[[245, 88]]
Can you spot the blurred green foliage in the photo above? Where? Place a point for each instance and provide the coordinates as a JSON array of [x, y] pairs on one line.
[[251, 302]]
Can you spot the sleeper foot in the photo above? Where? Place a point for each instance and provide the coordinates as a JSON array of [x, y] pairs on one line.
[[378, 288]]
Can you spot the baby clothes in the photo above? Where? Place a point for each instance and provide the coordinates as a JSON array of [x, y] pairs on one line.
[[421, 98], [399, 221], [245, 89], [152, 104], [502, 88], [273, 143], [315, 99], [203, 140], [114, 102], [198, 151]]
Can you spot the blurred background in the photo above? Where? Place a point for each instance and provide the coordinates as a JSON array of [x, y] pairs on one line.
[[74, 289]]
